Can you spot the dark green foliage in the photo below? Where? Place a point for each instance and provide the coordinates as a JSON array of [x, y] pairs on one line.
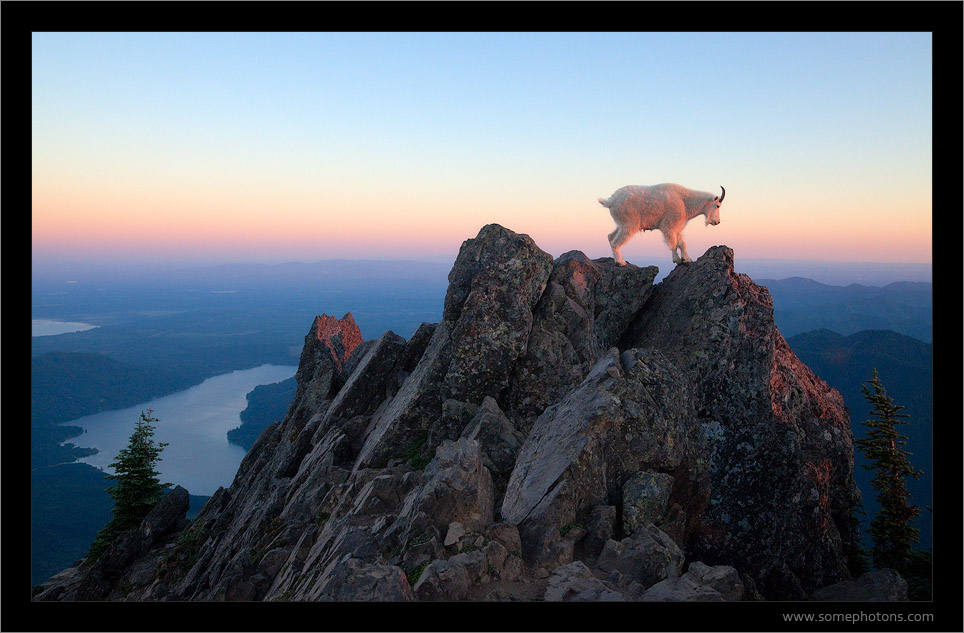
[[891, 530], [138, 488], [415, 572], [46, 448], [906, 367], [858, 560], [415, 454], [65, 386], [68, 506], [266, 404], [68, 385], [917, 573]]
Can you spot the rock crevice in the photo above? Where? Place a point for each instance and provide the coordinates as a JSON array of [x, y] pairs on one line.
[[568, 431]]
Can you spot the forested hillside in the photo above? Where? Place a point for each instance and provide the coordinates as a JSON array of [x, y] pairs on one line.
[[266, 404], [68, 385], [906, 371]]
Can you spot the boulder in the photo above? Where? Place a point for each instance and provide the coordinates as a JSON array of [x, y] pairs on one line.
[[879, 585], [645, 499], [575, 582], [496, 280], [584, 310], [356, 580], [498, 438], [700, 583], [601, 528], [648, 556], [457, 488]]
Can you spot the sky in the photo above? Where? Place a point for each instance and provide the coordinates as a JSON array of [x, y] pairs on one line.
[[275, 147]]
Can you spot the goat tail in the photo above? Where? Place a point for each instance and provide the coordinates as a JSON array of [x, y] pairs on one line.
[[604, 202]]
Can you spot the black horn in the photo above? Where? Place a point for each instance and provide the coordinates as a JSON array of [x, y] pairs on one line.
[[724, 193]]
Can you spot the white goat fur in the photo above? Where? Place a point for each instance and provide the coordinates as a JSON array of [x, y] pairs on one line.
[[666, 207]]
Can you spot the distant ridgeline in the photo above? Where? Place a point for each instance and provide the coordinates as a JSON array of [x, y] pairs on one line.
[[803, 305], [567, 430], [905, 367]]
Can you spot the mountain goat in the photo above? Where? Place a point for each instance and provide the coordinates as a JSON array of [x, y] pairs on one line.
[[666, 207]]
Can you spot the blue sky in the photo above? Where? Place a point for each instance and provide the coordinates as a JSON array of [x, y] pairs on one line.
[[279, 146]]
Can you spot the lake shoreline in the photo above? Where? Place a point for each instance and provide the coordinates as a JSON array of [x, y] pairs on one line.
[[53, 327], [193, 421]]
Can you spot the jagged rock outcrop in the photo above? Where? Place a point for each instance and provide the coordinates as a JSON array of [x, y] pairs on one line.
[[776, 439], [133, 556], [567, 431]]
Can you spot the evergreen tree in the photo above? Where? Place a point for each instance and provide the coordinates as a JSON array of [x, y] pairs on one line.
[[858, 561], [138, 488], [891, 530]]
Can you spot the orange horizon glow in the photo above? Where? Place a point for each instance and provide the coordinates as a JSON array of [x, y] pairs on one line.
[[225, 218], [405, 145], [258, 241]]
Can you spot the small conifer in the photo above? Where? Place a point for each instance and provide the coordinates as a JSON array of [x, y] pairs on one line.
[[891, 530], [138, 488]]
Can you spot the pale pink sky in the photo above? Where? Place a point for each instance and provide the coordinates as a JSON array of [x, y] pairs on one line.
[[410, 144]]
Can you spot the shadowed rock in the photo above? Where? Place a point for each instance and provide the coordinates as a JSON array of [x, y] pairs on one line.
[[568, 431]]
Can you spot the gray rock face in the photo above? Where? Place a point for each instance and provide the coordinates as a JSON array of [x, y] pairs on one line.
[[499, 439], [776, 438], [879, 585], [501, 276], [328, 345], [645, 499], [584, 309], [629, 414], [574, 582], [569, 431]]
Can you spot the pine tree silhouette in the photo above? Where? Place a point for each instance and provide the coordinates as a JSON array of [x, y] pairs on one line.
[[138, 488], [890, 530]]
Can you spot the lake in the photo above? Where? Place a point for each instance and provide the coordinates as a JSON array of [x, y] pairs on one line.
[[48, 327], [194, 422]]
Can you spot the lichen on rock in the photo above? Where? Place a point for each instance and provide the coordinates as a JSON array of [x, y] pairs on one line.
[[568, 431]]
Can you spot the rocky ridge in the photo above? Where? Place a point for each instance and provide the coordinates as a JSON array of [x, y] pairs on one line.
[[567, 431]]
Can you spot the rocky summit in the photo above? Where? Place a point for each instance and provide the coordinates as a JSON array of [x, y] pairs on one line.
[[568, 431]]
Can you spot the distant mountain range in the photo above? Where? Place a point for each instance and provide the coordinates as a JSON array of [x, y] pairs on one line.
[[835, 273], [803, 305]]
